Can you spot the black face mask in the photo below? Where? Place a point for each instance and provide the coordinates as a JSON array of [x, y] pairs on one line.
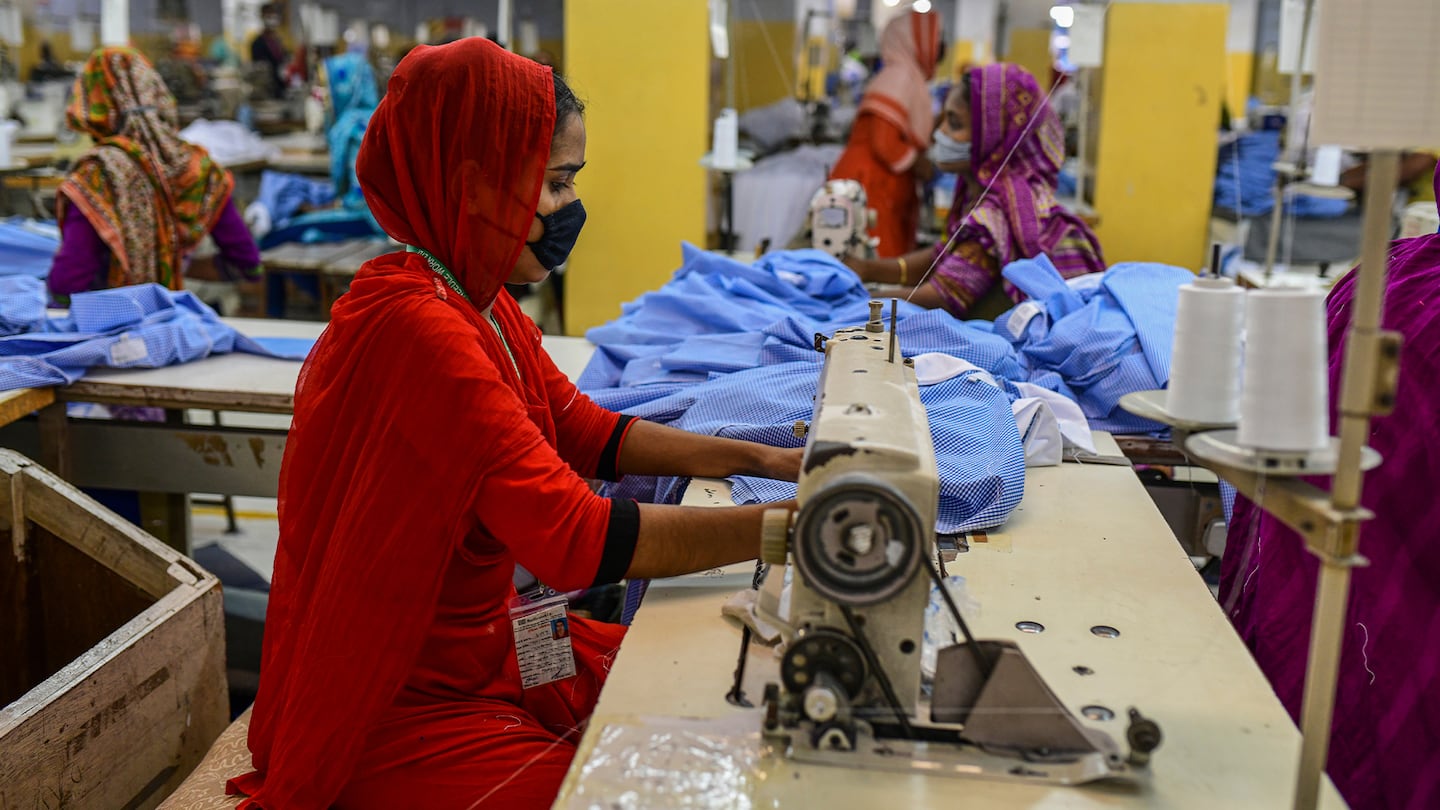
[[562, 228]]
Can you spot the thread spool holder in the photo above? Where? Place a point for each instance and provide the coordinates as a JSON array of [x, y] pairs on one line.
[[1330, 521]]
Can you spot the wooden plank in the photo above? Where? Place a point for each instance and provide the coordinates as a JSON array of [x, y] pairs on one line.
[[295, 257], [350, 264], [55, 439], [77, 602], [125, 723], [22, 402], [132, 554]]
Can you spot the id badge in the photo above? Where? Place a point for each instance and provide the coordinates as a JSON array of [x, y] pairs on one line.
[[542, 639]]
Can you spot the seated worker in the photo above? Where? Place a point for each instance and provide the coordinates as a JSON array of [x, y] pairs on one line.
[[1385, 736], [435, 446], [1005, 142], [136, 205], [886, 150]]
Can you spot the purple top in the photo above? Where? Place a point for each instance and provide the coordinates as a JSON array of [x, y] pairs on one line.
[[1385, 739], [83, 261]]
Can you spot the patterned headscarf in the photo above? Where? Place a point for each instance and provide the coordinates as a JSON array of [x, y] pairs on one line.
[[1013, 126], [150, 195]]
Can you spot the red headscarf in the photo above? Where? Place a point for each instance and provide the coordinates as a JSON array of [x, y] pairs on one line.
[[392, 439], [900, 93]]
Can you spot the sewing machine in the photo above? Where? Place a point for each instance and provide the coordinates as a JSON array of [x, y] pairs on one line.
[[864, 557], [840, 220]]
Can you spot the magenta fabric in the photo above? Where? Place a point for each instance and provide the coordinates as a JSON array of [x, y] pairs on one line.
[[83, 261], [1012, 126], [1385, 743]]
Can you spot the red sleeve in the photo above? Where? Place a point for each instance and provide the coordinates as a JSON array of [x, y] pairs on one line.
[[588, 436], [890, 146], [553, 524]]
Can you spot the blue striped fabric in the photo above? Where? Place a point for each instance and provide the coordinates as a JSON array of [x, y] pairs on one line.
[[670, 359], [1098, 342], [22, 304], [145, 326]]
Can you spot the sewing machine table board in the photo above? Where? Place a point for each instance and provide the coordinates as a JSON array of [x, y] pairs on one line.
[[1086, 547]]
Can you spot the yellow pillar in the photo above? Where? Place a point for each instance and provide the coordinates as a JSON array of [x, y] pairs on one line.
[[1030, 49], [1239, 78], [1160, 93], [643, 68]]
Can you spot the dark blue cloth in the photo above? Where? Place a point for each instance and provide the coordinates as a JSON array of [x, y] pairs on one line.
[[146, 326]]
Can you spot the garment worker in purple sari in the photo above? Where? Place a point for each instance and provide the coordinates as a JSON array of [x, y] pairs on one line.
[[1000, 135], [1385, 741]]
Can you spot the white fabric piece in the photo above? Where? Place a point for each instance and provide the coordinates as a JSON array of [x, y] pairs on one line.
[[741, 607], [937, 367], [1039, 432], [229, 141], [257, 219], [1023, 314], [772, 200], [941, 630], [1074, 427]]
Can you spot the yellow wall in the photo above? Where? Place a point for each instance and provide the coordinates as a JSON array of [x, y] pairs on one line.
[[1030, 48], [760, 79], [646, 128], [1239, 78], [1160, 109]]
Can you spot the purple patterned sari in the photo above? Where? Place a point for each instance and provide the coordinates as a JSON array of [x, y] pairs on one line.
[[1385, 742], [1019, 218]]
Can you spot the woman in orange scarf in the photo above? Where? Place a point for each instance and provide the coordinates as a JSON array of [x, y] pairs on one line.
[[435, 446], [886, 151], [135, 206]]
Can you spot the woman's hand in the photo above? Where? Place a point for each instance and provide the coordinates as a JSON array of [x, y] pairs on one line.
[[779, 463]]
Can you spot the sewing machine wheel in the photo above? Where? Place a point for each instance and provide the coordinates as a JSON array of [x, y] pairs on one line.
[[823, 656], [858, 543]]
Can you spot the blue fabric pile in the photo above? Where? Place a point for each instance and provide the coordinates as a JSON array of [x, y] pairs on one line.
[[727, 349], [1096, 338], [1245, 181], [27, 247], [146, 326]]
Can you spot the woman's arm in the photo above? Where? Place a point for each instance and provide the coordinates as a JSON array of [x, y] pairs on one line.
[[675, 540], [654, 449], [926, 295], [904, 271], [83, 259], [237, 247]]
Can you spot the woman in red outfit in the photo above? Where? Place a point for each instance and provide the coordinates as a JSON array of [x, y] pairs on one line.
[[435, 446], [886, 151]]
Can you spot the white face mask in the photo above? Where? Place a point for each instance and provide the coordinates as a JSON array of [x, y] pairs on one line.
[[946, 149]]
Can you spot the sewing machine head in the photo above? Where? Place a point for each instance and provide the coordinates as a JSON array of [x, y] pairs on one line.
[[851, 688], [840, 220]]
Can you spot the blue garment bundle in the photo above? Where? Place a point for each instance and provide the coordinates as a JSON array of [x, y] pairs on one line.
[[284, 194], [146, 326], [727, 349], [1245, 181], [1097, 337], [27, 247]]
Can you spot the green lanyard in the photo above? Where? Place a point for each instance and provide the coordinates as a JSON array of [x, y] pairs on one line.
[[444, 272]]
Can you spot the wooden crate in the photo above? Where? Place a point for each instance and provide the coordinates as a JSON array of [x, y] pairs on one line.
[[112, 652]]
